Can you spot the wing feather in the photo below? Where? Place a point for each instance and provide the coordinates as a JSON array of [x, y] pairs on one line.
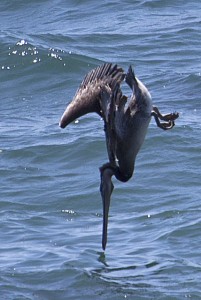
[[87, 97]]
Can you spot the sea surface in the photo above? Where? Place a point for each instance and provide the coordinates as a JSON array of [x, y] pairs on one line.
[[50, 205]]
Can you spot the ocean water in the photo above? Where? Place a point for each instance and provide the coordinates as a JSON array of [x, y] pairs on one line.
[[50, 206]]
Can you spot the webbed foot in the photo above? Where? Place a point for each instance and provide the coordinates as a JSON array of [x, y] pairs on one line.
[[168, 118]]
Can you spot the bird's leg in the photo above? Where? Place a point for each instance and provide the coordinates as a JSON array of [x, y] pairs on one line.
[[169, 118], [106, 188], [164, 126]]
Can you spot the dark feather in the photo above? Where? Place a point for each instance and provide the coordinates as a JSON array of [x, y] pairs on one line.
[[88, 96]]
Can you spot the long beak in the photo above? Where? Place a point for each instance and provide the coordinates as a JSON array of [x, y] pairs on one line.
[[106, 188]]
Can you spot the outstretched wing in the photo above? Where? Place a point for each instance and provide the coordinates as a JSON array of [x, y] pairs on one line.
[[87, 97]]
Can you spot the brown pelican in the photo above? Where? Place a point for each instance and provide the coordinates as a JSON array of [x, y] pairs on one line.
[[125, 122]]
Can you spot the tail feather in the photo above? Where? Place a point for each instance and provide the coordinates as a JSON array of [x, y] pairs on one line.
[[132, 82], [130, 78]]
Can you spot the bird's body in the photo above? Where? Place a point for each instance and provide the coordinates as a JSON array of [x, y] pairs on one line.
[[125, 120]]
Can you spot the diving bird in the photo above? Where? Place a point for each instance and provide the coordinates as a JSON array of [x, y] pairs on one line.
[[125, 122]]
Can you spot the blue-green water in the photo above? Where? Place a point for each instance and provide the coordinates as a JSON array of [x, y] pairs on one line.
[[50, 206]]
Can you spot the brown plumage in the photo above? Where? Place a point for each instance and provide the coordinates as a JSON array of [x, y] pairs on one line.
[[125, 122]]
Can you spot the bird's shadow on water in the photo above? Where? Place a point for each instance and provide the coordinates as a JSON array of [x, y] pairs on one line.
[[102, 258], [124, 280], [128, 275]]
